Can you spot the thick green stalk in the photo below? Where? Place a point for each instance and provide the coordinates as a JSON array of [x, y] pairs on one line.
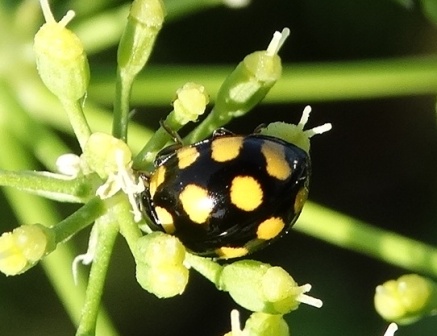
[[348, 232], [107, 230]]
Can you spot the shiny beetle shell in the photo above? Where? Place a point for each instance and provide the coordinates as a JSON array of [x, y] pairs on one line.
[[228, 195]]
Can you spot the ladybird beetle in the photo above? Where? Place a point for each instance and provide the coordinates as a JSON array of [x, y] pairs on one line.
[[228, 195]]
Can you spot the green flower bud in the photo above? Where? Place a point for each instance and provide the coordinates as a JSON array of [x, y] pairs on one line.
[[261, 324], [258, 324], [162, 280], [24, 247], [144, 23], [244, 88], [158, 248], [406, 299], [295, 134], [60, 57], [263, 288], [160, 264], [104, 154], [191, 102], [248, 84]]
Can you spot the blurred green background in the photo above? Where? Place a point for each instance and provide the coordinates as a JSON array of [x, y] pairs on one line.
[[378, 164]]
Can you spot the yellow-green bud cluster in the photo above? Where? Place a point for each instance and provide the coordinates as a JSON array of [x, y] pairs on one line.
[[261, 287], [406, 299], [190, 103], [24, 247], [105, 154], [160, 265], [60, 58]]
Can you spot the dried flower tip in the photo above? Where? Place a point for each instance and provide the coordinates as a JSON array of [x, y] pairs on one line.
[[295, 134], [277, 41], [309, 300], [49, 18], [392, 328], [88, 257]]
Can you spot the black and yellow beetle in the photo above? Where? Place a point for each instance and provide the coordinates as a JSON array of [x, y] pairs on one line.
[[228, 195]]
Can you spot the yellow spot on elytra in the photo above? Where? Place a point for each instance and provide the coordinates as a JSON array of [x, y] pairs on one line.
[[276, 164], [196, 203], [246, 193], [187, 156], [156, 179], [270, 228], [231, 252], [300, 199], [226, 148], [165, 219]]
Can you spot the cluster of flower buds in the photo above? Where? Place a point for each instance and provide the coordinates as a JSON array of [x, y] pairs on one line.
[[24, 247], [160, 265]]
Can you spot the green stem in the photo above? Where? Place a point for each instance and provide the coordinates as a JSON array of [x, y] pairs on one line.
[[144, 160], [128, 227], [52, 186], [107, 233], [77, 120], [205, 266], [355, 235], [57, 265], [123, 86], [80, 219]]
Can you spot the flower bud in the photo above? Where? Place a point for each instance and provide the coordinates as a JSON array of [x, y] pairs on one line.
[[60, 57], [248, 84], [261, 324], [163, 280], [144, 23], [263, 288], [191, 102], [244, 88], [258, 324], [406, 299], [295, 134], [24, 247], [158, 248], [160, 264], [104, 154]]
